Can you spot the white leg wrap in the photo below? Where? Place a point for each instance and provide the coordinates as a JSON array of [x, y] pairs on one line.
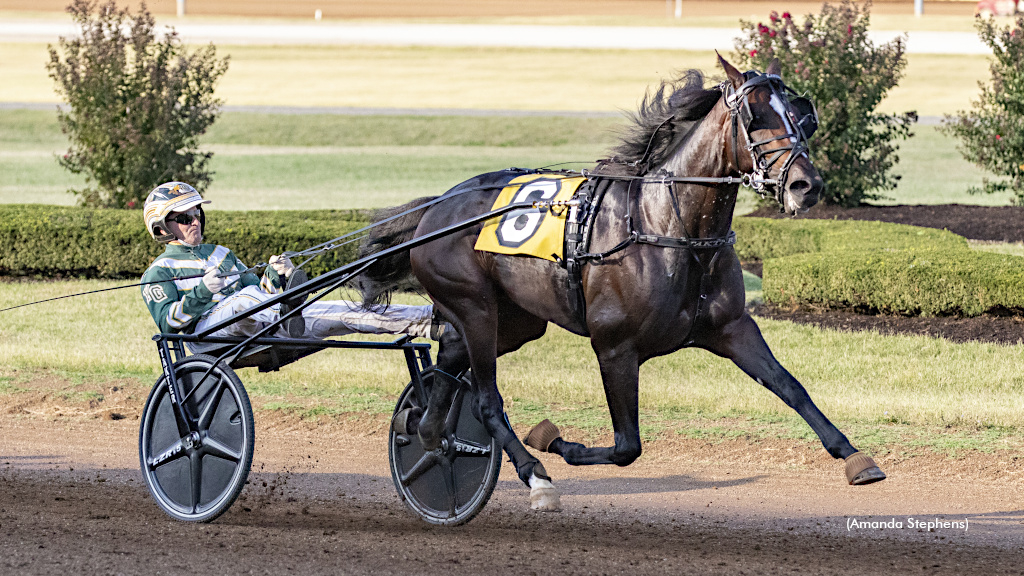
[[543, 495]]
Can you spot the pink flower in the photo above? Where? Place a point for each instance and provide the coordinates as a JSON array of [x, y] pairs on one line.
[[753, 53], [998, 137], [131, 203], [774, 16], [849, 29], [772, 33], [786, 16]]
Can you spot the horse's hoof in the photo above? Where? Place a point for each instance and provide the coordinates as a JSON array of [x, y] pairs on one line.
[[406, 421], [861, 470], [429, 431], [545, 499], [542, 435]]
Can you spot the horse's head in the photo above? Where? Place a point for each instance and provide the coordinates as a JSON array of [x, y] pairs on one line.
[[773, 124]]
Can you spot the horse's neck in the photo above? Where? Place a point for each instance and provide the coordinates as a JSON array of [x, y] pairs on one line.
[[696, 210]]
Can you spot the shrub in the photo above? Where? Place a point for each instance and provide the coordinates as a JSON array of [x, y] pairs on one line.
[[768, 238], [992, 133], [929, 282], [104, 243], [831, 59], [877, 267], [137, 104]]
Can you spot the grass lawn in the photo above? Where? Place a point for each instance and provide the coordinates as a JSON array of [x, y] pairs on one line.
[[863, 380], [272, 161], [482, 78]]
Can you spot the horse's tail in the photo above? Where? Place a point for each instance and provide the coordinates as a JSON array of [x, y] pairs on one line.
[[392, 272]]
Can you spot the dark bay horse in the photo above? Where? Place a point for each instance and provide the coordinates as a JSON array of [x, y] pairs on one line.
[[682, 287]]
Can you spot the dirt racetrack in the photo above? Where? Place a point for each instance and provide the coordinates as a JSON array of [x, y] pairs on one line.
[[320, 501]]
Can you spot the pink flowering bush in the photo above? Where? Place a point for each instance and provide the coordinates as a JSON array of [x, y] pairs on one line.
[[992, 133], [830, 59], [137, 104]]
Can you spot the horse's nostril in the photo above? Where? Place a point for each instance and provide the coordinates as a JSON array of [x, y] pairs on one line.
[[800, 186]]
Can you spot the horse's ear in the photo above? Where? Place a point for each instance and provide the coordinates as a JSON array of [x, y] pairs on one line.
[[774, 67], [734, 75]]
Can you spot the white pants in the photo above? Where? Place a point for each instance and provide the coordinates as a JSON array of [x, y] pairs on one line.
[[323, 318]]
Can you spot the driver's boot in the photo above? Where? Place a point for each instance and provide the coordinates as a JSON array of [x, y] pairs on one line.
[[296, 325]]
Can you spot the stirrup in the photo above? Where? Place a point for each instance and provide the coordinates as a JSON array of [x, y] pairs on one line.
[[296, 325]]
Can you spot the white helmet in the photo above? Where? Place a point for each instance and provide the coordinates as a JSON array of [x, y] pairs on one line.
[[167, 198]]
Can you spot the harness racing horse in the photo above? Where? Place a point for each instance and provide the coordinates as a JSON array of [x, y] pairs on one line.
[[662, 273]]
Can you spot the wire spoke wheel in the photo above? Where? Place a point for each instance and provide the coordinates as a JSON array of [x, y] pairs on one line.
[[196, 476], [450, 485]]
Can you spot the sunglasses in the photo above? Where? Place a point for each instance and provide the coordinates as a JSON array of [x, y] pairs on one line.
[[184, 218]]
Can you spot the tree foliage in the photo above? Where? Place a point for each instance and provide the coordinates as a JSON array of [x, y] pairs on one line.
[[831, 59], [991, 134], [137, 104]]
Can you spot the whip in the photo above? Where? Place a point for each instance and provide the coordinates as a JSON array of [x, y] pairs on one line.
[[221, 275]]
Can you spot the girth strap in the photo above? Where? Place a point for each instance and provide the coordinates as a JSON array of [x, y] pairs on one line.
[[702, 298], [697, 243], [576, 238]]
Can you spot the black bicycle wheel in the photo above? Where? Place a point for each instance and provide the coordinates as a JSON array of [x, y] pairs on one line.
[[196, 477], [450, 485]]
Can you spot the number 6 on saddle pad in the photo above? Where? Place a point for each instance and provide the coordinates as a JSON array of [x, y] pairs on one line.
[[530, 232]]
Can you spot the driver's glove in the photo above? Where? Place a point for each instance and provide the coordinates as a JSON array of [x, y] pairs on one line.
[[213, 282], [282, 265]]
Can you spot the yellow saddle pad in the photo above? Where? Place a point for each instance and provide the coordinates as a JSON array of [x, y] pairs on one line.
[[529, 232]]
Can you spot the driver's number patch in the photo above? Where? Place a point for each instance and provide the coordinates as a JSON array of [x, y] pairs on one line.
[[154, 293]]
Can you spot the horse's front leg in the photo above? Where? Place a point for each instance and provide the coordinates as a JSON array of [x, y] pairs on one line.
[[620, 372], [741, 341]]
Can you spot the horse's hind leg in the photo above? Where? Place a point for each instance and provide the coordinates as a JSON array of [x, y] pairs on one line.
[[515, 328], [478, 348], [452, 361], [741, 342]]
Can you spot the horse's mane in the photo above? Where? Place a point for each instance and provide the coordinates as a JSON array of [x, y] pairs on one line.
[[665, 117]]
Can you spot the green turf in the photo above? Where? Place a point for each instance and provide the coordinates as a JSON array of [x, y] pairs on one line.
[[273, 161], [484, 78], [256, 129], [935, 172], [856, 377]]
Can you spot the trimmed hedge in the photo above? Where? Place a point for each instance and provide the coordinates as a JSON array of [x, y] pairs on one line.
[[52, 241], [766, 238], [929, 282], [871, 266], [879, 267]]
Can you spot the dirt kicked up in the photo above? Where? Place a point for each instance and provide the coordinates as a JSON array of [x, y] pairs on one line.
[[320, 501]]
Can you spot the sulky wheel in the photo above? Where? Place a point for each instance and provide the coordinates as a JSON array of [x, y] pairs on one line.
[[196, 476], [450, 485]]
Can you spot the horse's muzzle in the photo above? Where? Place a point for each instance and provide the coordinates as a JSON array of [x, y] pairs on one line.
[[803, 189]]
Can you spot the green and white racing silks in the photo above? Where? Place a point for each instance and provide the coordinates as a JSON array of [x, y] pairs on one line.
[[176, 305]]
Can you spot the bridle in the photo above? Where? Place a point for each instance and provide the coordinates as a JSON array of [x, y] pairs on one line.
[[801, 117]]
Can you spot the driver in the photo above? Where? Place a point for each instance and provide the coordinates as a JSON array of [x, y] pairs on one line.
[[174, 216]]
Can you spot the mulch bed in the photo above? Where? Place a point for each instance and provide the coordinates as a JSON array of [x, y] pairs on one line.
[[990, 223]]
